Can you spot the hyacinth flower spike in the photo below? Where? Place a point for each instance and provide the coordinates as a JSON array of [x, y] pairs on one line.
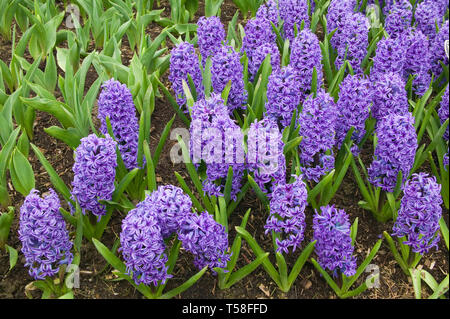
[[417, 221], [46, 245], [286, 224], [335, 240]]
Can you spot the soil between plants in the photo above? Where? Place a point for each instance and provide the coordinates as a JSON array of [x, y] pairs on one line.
[[97, 281]]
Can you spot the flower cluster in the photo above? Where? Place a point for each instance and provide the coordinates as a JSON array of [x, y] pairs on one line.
[[305, 56], [142, 246], [389, 56], [337, 17], [398, 18], [258, 31], [443, 111], [317, 123], [269, 10], [184, 61], [116, 103], [206, 239], [395, 151], [334, 247], [265, 156], [389, 95], [218, 141], [437, 49], [45, 239], [293, 13], [226, 66], [287, 214], [211, 34], [354, 107], [283, 96], [94, 172], [427, 14], [354, 41], [170, 205], [260, 54], [419, 214], [417, 60]]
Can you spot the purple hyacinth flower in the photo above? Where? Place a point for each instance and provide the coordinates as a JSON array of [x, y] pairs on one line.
[[226, 66], [283, 95], [334, 247], [437, 50], [184, 61], [317, 123], [395, 151], [336, 19], [389, 56], [389, 95], [293, 13], [305, 56], [45, 240], [260, 54], [354, 41], [258, 31], [287, 214], [419, 214], [211, 34], [206, 239], [94, 172], [354, 108], [443, 111], [142, 246], [269, 11], [116, 103], [265, 156], [398, 18], [427, 15]]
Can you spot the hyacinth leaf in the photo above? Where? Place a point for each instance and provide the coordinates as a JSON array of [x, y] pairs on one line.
[[6, 220], [13, 256], [258, 251], [122, 186], [207, 77], [258, 191], [59, 110], [68, 295], [363, 266], [79, 232], [117, 264], [441, 290], [189, 98], [372, 47], [68, 217], [417, 283], [226, 92], [239, 198], [22, 175], [300, 262], [362, 186], [292, 144], [396, 254], [245, 271], [327, 277], [187, 190], [151, 177], [174, 104], [312, 194], [228, 184], [174, 292], [314, 82], [354, 231], [334, 87], [194, 175], [324, 47], [162, 141], [171, 261], [282, 269], [286, 54], [6, 151], [444, 231]]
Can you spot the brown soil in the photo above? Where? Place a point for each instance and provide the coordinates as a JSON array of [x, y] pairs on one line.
[[97, 281]]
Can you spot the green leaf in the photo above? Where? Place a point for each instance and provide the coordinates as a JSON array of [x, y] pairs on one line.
[[258, 191], [176, 291], [301, 260], [69, 136], [245, 271], [22, 175], [327, 277], [13, 256], [441, 289], [162, 141], [417, 283], [186, 189], [151, 177]]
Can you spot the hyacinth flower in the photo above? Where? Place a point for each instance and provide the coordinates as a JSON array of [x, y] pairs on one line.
[[216, 157], [336, 17], [46, 244], [389, 57], [283, 95], [398, 18], [305, 57], [417, 60], [269, 10], [211, 34], [354, 41], [394, 160], [184, 63], [260, 55], [116, 104], [293, 13], [317, 123], [417, 221], [335, 243], [439, 59], [226, 67], [148, 262], [286, 223], [426, 16]]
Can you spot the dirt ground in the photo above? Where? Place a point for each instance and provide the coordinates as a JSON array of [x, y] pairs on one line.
[[98, 281]]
